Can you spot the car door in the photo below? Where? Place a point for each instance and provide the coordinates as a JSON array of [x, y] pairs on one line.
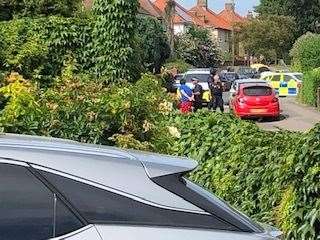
[[30, 210]]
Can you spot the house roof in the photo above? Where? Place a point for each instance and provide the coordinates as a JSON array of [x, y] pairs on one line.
[[149, 8], [181, 16], [209, 18], [231, 17]]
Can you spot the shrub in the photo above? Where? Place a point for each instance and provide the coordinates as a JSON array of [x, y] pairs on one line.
[[152, 43], [306, 52], [32, 8], [311, 83], [273, 177], [178, 65], [80, 108], [196, 48], [37, 48]]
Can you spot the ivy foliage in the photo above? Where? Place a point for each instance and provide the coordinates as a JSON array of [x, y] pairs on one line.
[[37, 48], [113, 38], [272, 177], [33, 8]]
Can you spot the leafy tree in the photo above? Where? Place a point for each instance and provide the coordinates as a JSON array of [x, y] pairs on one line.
[[113, 38], [306, 13], [197, 48], [153, 43], [270, 36], [31, 8]]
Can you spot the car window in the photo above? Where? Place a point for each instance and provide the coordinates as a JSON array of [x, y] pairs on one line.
[[201, 77], [106, 207], [257, 91], [287, 78], [203, 199], [27, 207], [276, 78]]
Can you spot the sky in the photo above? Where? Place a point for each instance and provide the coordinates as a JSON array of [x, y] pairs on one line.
[[242, 6]]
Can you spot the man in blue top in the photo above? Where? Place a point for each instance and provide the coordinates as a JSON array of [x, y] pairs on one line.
[[186, 97]]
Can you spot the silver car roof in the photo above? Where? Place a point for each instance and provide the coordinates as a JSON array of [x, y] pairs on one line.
[[125, 170]]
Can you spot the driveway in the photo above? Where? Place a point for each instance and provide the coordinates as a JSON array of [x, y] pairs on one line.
[[295, 117]]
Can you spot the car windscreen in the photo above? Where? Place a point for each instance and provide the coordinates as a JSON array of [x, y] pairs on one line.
[[257, 91], [204, 78]]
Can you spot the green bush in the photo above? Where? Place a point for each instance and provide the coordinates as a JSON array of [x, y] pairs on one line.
[[37, 48], [271, 176], [153, 43], [178, 65], [311, 83], [31, 8], [306, 52], [80, 108]]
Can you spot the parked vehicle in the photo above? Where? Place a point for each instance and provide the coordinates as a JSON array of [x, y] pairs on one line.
[[228, 78], [285, 84], [255, 100], [203, 75], [59, 189], [236, 85], [260, 68], [245, 72]]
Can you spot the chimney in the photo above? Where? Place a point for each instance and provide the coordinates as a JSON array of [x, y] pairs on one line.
[[250, 15], [230, 7], [202, 3]]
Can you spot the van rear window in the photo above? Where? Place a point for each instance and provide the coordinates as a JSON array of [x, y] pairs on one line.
[[257, 91]]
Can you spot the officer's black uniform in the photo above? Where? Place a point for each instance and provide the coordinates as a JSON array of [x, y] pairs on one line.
[[217, 93], [198, 95]]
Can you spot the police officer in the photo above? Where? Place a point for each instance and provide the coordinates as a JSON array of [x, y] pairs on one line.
[[217, 90], [197, 95]]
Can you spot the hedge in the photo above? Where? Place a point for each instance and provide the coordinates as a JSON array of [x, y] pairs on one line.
[[271, 176], [311, 83]]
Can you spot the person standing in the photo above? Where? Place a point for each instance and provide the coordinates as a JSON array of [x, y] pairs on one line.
[[197, 95], [217, 93], [186, 97]]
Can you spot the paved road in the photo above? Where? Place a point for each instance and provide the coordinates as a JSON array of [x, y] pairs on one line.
[[295, 117]]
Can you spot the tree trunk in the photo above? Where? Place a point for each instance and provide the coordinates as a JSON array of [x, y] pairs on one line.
[[170, 11]]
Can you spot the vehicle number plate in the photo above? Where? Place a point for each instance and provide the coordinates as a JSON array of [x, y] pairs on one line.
[[258, 110]]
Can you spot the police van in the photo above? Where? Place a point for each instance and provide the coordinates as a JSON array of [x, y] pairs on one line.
[[285, 84]]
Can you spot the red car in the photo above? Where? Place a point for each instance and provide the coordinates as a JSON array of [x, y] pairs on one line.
[[255, 100]]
